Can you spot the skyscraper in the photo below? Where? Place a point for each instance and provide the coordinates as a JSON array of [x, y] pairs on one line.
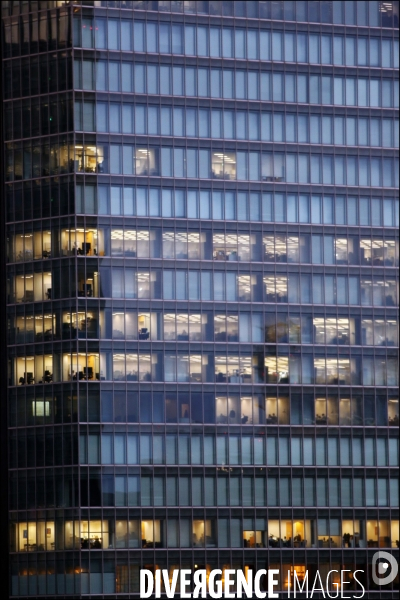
[[200, 208]]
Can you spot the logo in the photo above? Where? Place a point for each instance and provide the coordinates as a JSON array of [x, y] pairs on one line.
[[384, 568]]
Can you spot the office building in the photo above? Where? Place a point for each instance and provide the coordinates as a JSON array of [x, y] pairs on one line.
[[200, 212]]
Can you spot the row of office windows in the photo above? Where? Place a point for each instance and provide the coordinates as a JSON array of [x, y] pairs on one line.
[[37, 199], [26, 161], [218, 286], [27, 449], [37, 32], [236, 206], [96, 534], [101, 489], [177, 121], [30, 117], [217, 42], [35, 75], [40, 198], [251, 491], [146, 449], [98, 487], [204, 82], [205, 245], [372, 14], [38, 116], [30, 405], [121, 323], [319, 289], [122, 576], [224, 164], [247, 368]]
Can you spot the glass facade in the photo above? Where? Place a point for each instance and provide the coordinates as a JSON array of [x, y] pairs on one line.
[[201, 205]]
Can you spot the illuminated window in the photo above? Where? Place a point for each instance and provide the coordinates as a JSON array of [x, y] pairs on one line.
[[40, 408], [32, 536]]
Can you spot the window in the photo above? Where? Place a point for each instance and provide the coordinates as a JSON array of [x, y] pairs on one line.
[[326, 411], [393, 412], [277, 411], [223, 165], [231, 247], [233, 369], [34, 536]]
